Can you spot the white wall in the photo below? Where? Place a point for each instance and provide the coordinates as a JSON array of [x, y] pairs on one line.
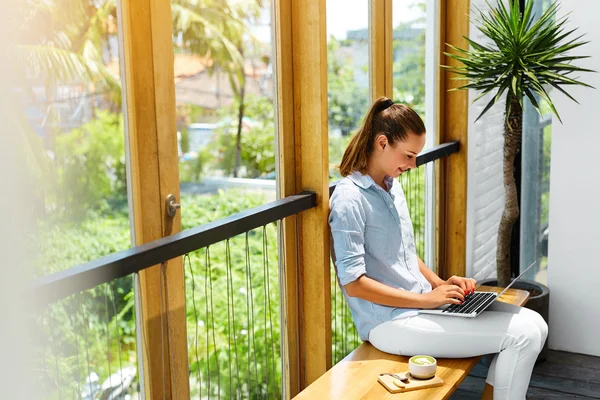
[[574, 241], [18, 198], [485, 190]]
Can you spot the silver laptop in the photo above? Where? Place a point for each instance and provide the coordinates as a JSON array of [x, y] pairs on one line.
[[474, 303]]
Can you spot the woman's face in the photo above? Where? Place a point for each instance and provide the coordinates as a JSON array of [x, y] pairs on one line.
[[394, 159]]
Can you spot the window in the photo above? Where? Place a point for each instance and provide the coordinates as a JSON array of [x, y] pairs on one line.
[[224, 94], [414, 72], [535, 184], [70, 98], [347, 75]]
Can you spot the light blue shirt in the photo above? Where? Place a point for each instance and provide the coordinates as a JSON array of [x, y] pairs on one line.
[[373, 236]]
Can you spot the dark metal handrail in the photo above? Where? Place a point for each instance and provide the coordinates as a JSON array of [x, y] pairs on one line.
[[59, 285], [433, 154], [437, 152]]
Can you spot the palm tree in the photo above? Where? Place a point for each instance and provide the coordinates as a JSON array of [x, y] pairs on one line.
[[226, 25], [58, 41], [64, 40], [69, 45], [71, 48], [525, 57], [209, 27]]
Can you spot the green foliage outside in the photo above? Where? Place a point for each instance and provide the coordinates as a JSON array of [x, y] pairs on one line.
[[413, 183], [344, 336], [88, 220], [409, 67], [545, 168], [78, 335], [99, 312], [257, 141], [545, 183], [347, 102], [193, 170], [90, 169], [251, 354], [545, 186], [337, 146]]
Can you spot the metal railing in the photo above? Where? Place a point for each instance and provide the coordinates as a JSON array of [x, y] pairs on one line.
[[62, 284], [81, 348], [87, 348]]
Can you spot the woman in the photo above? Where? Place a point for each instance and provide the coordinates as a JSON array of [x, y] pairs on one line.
[[385, 283]]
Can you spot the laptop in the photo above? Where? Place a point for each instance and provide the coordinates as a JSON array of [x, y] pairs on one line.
[[474, 303]]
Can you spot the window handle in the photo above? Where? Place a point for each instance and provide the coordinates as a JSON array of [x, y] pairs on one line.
[[172, 205]]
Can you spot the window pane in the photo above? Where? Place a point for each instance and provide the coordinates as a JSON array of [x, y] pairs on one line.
[[535, 190], [535, 183], [414, 69], [226, 134], [224, 93], [408, 53], [347, 74], [70, 97], [348, 98]]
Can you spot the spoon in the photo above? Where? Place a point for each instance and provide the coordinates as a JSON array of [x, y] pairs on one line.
[[404, 378]]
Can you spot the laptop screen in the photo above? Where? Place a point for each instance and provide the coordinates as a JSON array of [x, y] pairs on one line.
[[517, 278]]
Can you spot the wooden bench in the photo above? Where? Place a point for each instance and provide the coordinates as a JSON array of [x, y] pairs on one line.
[[355, 377]]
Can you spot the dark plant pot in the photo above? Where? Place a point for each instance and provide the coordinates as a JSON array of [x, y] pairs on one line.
[[538, 301]]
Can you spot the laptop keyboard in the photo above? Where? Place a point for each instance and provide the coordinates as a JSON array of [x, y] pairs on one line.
[[473, 303]]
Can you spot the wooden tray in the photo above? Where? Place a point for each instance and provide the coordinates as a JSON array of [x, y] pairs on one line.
[[413, 384]]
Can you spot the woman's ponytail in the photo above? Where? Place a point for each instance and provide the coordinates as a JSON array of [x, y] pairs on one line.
[[360, 147]]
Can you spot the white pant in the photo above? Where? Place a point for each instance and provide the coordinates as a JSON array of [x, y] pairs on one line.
[[517, 334]]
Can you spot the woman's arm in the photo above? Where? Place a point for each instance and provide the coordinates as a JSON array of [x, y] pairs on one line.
[[377, 292], [429, 274], [347, 221], [467, 285]]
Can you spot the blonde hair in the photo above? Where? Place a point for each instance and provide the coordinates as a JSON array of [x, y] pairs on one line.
[[395, 121]]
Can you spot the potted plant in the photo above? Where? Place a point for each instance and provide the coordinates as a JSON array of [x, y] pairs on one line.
[[524, 57]]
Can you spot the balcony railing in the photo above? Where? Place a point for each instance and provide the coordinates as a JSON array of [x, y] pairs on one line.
[[232, 277]]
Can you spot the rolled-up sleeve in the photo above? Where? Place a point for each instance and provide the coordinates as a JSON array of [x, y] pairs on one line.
[[347, 221]]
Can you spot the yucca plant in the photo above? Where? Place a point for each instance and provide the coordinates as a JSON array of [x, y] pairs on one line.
[[524, 58]]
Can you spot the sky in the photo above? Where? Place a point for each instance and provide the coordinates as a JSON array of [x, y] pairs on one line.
[[344, 15]]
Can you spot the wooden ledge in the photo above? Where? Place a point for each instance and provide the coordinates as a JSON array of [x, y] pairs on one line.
[[355, 377]]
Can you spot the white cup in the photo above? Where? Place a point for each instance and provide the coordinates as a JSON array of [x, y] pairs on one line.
[[422, 367]]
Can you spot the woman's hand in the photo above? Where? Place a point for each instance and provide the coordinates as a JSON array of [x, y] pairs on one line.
[[444, 294], [466, 284]]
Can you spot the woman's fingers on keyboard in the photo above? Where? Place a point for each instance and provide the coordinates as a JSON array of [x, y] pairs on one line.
[[456, 294], [472, 284], [458, 289]]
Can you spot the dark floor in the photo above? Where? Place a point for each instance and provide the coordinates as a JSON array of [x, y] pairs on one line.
[[562, 376]]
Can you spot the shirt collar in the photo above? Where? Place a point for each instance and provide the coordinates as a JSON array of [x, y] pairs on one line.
[[365, 181]]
